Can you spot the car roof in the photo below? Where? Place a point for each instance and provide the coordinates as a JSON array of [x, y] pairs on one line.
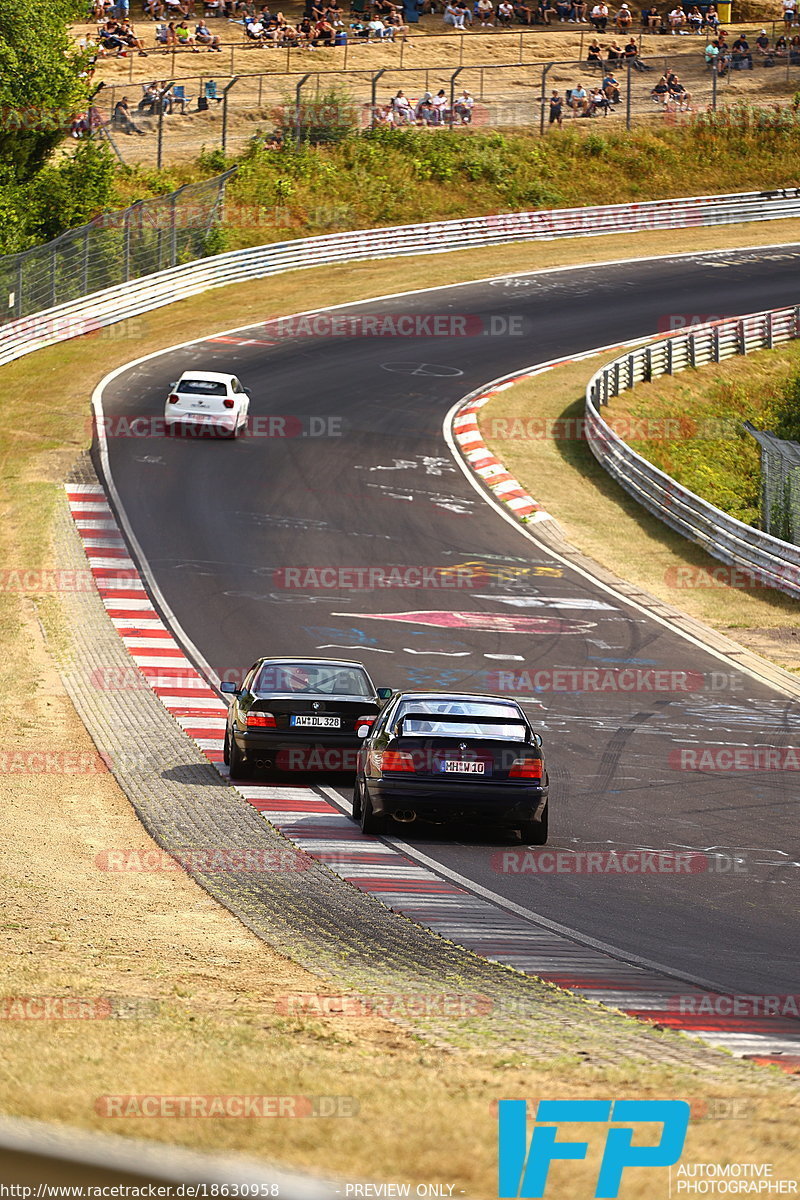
[[468, 697], [328, 662], [215, 376]]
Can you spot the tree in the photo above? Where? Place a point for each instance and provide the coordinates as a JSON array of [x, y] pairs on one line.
[[40, 82]]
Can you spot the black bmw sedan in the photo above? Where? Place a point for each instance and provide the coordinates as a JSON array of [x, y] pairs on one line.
[[452, 757], [299, 715]]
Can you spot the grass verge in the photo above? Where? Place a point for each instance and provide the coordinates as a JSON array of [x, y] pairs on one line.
[[71, 929]]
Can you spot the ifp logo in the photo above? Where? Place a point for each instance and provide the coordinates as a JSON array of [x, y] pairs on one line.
[[523, 1168]]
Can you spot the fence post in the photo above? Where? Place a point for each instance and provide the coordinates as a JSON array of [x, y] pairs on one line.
[[374, 95], [53, 265], [298, 119], [225, 91], [627, 99], [545, 70], [161, 96], [668, 370], [18, 305], [173, 232], [770, 332], [453, 79], [126, 252]]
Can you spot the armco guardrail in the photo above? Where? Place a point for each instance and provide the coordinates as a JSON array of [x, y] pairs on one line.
[[177, 283], [775, 562]]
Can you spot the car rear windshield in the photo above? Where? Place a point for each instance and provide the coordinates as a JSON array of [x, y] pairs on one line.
[[312, 677], [515, 730], [202, 387]]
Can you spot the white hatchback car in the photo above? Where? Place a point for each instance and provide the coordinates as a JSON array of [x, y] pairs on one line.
[[208, 400]]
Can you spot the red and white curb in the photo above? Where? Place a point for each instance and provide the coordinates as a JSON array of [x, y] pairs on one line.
[[319, 828]]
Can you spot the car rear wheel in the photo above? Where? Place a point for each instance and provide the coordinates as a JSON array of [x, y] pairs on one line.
[[369, 822], [534, 833], [239, 766], [356, 814]]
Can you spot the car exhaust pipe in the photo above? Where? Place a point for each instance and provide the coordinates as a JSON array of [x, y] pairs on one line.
[[405, 816], [261, 763]]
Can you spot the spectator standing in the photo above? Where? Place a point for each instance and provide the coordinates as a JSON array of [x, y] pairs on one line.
[[556, 109]]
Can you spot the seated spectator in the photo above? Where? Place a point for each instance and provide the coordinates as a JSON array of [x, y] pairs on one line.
[[564, 11], [462, 108], [660, 92], [454, 15], [794, 50], [694, 19], [324, 33], [599, 16], [610, 86], [678, 94], [505, 13], [614, 55], [424, 113], [624, 19], [524, 13], [546, 10], [484, 12], [762, 42], [149, 101], [204, 37], [677, 19], [598, 102], [394, 25], [579, 9], [122, 119], [781, 46], [632, 56], [711, 53], [184, 37], [80, 127], [175, 9], [594, 54], [402, 112], [654, 19], [712, 18], [579, 100], [441, 108], [255, 30], [742, 55], [128, 35]]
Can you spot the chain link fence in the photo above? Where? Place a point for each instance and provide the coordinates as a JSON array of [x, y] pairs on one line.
[[780, 485], [113, 249], [218, 112]]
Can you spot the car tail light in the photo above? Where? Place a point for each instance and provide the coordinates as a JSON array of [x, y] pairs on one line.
[[260, 720], [173, 399], [370, 721], [228, 402], [397, 760], [526, 768]]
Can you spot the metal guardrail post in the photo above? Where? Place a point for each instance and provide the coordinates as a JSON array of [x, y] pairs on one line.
[[453, 79], [160, 143], [545, 71], [225, 90], [770, 332], [374, 95], [298, 112], [668, 370]]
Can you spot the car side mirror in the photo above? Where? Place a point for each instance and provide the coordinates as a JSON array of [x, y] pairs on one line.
[[537, 740], [384, 693], [362, 731], [229, 688]]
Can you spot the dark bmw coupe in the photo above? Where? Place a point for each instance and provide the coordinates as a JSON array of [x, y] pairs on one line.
[[300, 715], [442, 757]]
